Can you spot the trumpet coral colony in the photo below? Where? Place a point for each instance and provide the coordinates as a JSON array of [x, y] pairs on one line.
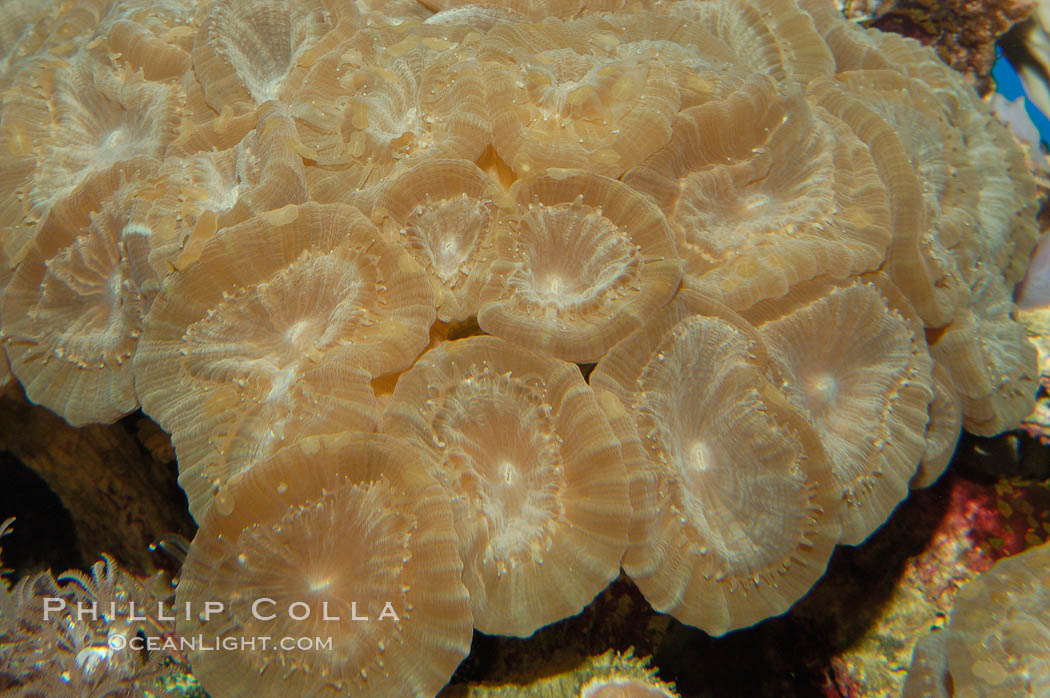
[[997, 642], [354, 255]]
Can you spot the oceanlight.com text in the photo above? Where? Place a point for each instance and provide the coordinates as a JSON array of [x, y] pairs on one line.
[[201, 643]]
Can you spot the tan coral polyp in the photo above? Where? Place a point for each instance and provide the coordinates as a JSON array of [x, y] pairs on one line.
[[996, 194], [746, 515], [73, 312], [245, 50], [917, 261], [587, 98], [385, 96], [770, 37], [578, 263], [274, 335], [156, 38], [443, 212], [763, 194], [338, 526], [144, 50], [177, 210], [992, 365], [942, 431], [1007, 207], [270, 169], [853, 358], [538, 484], [996, 190], [18, 37], [67, 121], [998, 643], [536, 9], [199, 192]]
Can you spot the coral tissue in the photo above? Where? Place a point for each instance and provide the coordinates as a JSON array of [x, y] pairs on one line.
[[354, 255]]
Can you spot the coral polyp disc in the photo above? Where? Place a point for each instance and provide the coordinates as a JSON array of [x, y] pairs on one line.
[[382, 599], [538, 481], [241, 357]]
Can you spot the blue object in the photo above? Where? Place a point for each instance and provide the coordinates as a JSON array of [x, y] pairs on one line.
[[1008, 84]]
